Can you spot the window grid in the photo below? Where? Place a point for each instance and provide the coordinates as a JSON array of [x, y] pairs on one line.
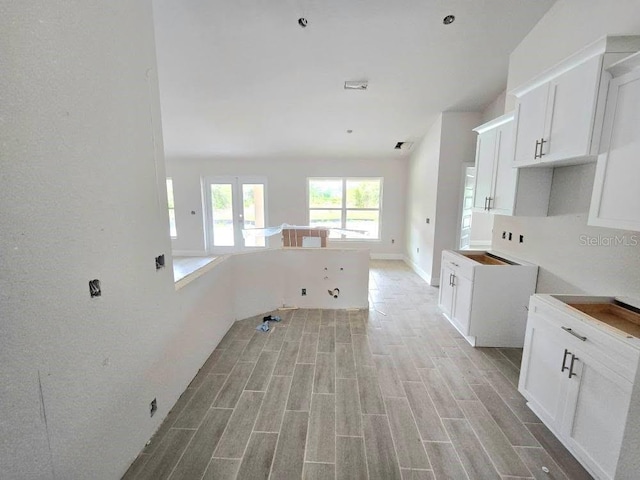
[[344, 209]]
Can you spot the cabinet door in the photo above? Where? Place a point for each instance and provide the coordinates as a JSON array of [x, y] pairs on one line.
[[531, 110], [542, 381], [505, 175], [596, 413], [462, 302], [571, 111], [485, 157], [616, 197], [446, 290]]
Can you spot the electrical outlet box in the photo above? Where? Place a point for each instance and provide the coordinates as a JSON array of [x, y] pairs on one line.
[[94, 288], [153, 406], [303, 292], [521, 238], [160, 262]]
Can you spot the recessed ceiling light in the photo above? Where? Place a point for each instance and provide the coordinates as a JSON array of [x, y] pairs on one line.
[[356, 85], [449, 19]]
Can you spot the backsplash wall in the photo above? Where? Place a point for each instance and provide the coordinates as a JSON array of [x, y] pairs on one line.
[[573, 257]]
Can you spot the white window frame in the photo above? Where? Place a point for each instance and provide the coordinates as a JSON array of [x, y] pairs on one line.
[[344, 207]]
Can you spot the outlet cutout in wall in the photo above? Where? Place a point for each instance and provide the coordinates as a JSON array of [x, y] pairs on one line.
[[504, 234], [418, 250], [94, 288], [153, 406], [160, 262], [428, 220], [510, 236], [393, 240], [521, 238], [303, 292]]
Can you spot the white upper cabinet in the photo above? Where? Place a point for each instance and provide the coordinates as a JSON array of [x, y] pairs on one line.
[[615, 202], [500, 188], [558, 117]]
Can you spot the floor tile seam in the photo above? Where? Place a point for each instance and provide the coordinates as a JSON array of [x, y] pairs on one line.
[[244, 453], [415, 424], [226, 427], [284, 412], [484, 447], [184, 451]]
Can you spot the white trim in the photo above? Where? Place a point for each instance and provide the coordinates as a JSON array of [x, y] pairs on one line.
[[479, 244], [189, 253], [421, 273], [387, 256]]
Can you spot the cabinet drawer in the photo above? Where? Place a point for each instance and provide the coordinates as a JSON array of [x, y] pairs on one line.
[[461, 266], [602, 346]]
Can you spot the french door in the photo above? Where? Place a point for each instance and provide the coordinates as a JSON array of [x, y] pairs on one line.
[[231, 205]]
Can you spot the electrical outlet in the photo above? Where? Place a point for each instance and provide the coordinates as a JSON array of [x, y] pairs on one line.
[[504, 234], [510, 236], [153, 406], [393, 240], [160, 262], [428, 220], [303, 292], [521, 238], [418, 250]]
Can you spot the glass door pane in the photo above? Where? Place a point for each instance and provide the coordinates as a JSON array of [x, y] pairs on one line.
[[222, 214], [253, 212]]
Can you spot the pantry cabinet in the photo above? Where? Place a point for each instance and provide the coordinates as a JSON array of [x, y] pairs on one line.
[[558, 116], [615, 200], [578, 377], [499, 187]]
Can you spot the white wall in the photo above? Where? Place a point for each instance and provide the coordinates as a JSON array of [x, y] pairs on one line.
[[286, 194], [82, 189], [556, 242], [421, 201], [435, 190]]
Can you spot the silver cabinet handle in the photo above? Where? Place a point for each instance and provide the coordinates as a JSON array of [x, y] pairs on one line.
[[535, 155], [489, 200], [453, 279], [485, 203], [542, 142], [564, 360], [450, 281], [573, 359], [569, 330]]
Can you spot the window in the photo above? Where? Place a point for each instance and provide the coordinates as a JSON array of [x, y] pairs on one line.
[[348, 203], [172, 212]]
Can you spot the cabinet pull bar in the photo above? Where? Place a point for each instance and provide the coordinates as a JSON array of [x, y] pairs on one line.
[[542, 142], [489, 203], [453, 279], [485, 203], [564, 360], [573, 359], [450, 281], [535, 155], [569, 330]]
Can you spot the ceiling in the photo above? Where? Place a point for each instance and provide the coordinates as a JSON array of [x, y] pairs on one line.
[[242, 79]]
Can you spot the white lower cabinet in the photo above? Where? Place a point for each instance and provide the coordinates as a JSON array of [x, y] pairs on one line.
[[570, 379], [485, 296]]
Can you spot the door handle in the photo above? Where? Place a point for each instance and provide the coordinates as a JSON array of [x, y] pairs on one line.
[[564, 360], [535, 155], [569, 330], [573, 359]]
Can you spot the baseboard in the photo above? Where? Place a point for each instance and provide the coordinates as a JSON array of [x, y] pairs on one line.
[[480, 245], [387, 256], [421, 273], [189, 253]]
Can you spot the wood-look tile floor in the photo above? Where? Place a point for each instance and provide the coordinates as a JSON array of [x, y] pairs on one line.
[[389, 393]]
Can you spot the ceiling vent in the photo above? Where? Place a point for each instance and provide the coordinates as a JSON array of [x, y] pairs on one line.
[[403, 145], [356, 85]]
